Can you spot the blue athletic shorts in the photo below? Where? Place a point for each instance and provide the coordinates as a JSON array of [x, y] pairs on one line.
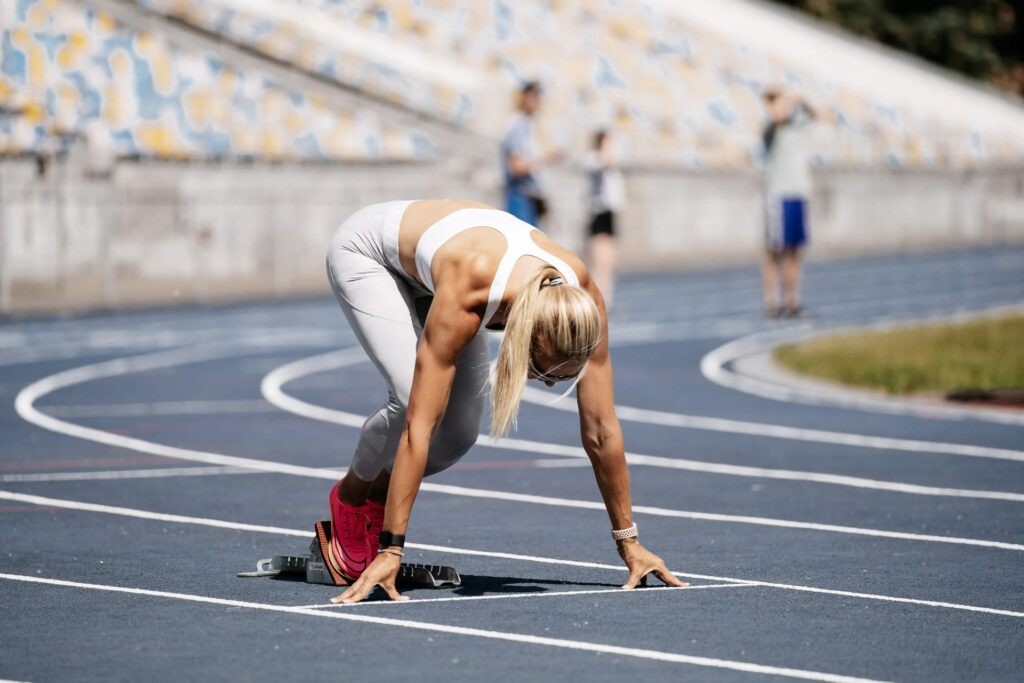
[[786, 223]]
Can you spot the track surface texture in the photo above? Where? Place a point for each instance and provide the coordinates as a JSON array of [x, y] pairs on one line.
[[147, 457]]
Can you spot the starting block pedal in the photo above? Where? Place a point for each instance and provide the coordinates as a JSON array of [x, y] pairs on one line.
[[280, 566], [316, 567]]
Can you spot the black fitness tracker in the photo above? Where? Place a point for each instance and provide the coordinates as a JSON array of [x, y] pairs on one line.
[[388, 539]]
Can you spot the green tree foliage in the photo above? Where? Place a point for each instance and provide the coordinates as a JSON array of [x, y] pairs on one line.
[[983, 39]]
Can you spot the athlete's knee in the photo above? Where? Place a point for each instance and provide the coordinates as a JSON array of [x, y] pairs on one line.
[[454, 438], [461, 425], [457, 442], [387, 418]]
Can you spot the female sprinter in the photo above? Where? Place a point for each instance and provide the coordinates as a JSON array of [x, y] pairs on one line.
[[483, 268]]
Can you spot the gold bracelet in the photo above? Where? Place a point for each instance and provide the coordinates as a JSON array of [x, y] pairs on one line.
[[391, 551]]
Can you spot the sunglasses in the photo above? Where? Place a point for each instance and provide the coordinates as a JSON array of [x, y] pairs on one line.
[[545, 377]]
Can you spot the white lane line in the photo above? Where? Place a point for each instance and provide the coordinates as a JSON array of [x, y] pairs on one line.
[[714, 367], [762, 472], [559, 464], [495, 554], [630, 333], [146, 514], [533, 395], [155, 473], [519, 596], [75, 352], [891, 598], [273, 383], [714, 424], [450, 630], [727, 426], [255, 528], [281, 531], [107, 342], [25, 406], [552, 463], [141, 409], [802, 434], [714, 517]]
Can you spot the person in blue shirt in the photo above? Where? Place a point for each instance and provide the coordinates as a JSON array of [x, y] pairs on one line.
[[524, 197]]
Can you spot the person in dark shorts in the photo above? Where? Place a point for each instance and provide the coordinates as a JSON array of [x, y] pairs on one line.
[[606, 200], [787, 187]]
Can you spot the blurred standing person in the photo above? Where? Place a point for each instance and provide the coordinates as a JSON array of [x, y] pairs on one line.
[[787, 187], [524, 197], [607, 199]]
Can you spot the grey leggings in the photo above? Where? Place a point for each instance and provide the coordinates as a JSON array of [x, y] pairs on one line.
[[381, 306]]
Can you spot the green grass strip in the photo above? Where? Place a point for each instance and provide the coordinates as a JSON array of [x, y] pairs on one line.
[[983, 354]]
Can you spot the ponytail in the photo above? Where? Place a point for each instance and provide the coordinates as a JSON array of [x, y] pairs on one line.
[[564, 316]]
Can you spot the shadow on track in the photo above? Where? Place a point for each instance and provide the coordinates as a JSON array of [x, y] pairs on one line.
[[484, 585]]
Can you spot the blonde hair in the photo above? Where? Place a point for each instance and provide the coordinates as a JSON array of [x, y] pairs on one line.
[[563, 318]]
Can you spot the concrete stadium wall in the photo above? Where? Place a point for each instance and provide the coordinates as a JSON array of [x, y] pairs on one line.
[[166, 233], [162, 233]]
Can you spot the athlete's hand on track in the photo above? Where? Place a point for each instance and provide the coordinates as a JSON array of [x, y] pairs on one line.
[[642, 562], [382, 572]]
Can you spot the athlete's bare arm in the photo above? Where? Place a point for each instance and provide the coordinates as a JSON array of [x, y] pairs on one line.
[[602, 440], [453, 321]]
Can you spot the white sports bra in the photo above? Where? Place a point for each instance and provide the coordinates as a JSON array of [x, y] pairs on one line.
[[517, 235]]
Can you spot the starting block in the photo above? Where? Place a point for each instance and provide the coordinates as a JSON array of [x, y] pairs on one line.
[[315, 567]]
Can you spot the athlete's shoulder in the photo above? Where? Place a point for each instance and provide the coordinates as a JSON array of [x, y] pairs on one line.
[[467, 278], [478, 269]]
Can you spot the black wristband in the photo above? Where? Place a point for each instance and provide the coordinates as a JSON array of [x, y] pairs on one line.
[[388, 539]]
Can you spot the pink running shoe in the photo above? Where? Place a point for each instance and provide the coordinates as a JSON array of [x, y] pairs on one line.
[[350, 547], [375, 511]]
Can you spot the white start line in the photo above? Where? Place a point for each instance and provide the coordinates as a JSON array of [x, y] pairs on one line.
[[449, 630], [282, 531]]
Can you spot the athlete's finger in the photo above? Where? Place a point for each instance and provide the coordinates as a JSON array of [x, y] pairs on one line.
[[392, 592], [360, 592], [668, 577], [348, 592], [634, 578]]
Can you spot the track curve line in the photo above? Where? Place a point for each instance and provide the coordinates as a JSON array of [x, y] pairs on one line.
[[26, 409], [272, 389], [714, 366]]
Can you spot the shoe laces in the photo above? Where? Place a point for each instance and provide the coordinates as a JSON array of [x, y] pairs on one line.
[[354, 523]]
